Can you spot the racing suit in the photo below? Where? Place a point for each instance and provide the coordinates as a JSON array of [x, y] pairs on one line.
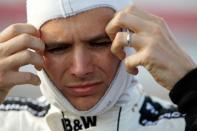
[[142, 113]]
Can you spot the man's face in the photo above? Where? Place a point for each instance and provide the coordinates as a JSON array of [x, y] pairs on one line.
[[78, 58]]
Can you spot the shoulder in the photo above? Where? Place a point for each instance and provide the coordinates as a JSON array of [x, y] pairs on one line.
[[37, 107], [155, 110]]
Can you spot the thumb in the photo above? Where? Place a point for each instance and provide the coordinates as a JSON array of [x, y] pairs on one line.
[[132, 61]]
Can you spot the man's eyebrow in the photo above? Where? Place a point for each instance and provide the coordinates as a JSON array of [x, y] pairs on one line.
[[55, 44], [97, 38]]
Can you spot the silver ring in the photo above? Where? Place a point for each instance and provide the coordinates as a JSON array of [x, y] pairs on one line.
[[129, 38]]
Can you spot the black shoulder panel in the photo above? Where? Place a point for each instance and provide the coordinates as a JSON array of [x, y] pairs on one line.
[[35, 107], [151, 112]]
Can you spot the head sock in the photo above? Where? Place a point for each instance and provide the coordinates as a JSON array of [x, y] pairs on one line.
[[123, 88]]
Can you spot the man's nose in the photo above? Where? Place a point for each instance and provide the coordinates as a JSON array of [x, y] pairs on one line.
[[81, 63]]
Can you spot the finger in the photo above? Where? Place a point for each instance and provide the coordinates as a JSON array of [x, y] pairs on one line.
[[17, 29], [22, 42], [38, 68], [23, 58], [118, 45], [146, 16], [124, 20], [120, 41], [141, 13], [19, 78], [134, 71], [132, 61]]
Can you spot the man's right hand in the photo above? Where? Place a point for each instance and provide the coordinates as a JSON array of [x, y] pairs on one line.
[[15, 44]]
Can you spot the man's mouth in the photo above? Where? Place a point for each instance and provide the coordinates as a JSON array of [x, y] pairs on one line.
[[85, 89]]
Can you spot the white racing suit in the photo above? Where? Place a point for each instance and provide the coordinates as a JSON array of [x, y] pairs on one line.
[[144, 113]]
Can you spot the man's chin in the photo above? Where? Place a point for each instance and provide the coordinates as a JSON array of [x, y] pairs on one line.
[[84, 103]]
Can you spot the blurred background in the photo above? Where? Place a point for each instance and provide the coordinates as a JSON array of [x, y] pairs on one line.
[[181, 16]]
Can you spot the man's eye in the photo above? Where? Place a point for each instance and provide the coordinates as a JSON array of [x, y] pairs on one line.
[[57, 50], [101, 44]]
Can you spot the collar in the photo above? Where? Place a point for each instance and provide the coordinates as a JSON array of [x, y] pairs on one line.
[[118, 116]]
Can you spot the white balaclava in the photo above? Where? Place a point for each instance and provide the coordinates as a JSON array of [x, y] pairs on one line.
[[41, 11]]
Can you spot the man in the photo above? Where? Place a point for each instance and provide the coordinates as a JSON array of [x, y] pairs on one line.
[[79, 49]]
